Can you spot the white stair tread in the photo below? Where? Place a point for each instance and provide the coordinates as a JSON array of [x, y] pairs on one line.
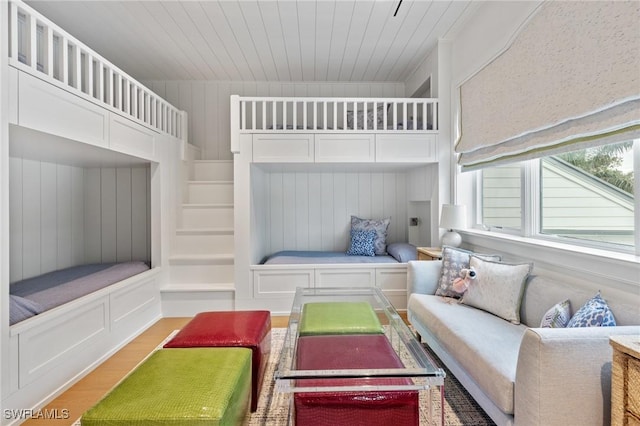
[[199, 259], [207, 205], [210, 182], [204, 231]]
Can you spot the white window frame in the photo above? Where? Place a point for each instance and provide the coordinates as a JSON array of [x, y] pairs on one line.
[[530, 196]]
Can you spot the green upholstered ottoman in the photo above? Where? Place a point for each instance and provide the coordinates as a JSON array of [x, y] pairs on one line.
[[188, 386], [338, 318]]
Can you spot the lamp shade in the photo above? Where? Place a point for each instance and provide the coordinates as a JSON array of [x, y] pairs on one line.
[[453, 216]]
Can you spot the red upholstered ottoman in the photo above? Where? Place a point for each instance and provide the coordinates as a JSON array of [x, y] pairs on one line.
[[352, 407], [249, 329]]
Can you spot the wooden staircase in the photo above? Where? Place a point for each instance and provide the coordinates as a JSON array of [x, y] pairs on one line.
[[201, 261]]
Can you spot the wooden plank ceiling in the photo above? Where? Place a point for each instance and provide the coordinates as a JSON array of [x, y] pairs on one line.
[[258, 40]]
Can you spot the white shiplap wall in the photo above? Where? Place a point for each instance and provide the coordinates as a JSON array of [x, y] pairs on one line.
[[207, 103], [63, 215], [311, 211]]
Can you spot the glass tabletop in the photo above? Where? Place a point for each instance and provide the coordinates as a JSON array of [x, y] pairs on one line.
[[416, 371]]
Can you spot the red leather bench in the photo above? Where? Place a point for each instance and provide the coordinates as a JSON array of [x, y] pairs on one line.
[[352, 407], [249, 329]]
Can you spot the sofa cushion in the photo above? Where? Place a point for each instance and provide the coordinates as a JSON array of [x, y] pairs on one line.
[[485, 345], [454, 260], [497, 288], [594, 313], [557, 316]]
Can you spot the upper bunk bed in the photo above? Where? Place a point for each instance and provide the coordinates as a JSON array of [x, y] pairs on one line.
[[60, 86], [335, 130], [288, 149], [95, 144]]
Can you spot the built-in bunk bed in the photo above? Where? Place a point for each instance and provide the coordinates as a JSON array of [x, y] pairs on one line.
[[314, 175], [88, 147]]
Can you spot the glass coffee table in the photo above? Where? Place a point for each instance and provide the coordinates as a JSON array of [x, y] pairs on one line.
[[348, 358]]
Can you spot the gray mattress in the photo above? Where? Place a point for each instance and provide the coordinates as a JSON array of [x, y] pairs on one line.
[[292, 257], [39, 294]]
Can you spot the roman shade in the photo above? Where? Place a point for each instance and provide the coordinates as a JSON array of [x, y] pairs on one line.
[[570, 79]]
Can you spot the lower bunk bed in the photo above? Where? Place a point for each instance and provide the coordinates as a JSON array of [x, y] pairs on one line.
[[64, 323], [278, 275], [39, 294]]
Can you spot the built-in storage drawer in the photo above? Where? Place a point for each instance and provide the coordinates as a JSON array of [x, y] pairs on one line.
[[45, 347], [345, 277], [275, 283], [282, 148], [131, 138], [412, 148], [128, 301], [335, 148], [393, 283], [48, 108]]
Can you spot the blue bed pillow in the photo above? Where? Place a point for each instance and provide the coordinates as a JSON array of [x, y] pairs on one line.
[[21, 309], [362, 243], [380, 226], [402, 252]]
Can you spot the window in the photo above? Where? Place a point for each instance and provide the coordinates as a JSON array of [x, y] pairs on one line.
[[501, 197], [582, 197], [588, 194]]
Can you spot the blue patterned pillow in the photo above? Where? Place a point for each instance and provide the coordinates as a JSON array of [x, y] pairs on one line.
[[362, 243], [380, 226], [558, 316], [594, 313]]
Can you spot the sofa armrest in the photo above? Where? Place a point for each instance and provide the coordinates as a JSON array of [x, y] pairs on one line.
[[563, 376], [423, 276]]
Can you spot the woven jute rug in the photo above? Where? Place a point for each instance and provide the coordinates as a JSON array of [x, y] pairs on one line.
[[273, 406]]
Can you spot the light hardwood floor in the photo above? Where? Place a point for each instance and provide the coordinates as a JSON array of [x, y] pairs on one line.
[[85, 393]]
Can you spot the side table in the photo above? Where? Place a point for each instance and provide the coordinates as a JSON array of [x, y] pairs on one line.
[[429, 253], [625, 380]]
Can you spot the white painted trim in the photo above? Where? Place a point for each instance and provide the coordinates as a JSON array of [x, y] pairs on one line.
[[599, 268]]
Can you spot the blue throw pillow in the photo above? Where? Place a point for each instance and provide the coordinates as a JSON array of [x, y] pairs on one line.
[[402, 252], [594, 313], [362, 243], [380, 226], [558, 316]]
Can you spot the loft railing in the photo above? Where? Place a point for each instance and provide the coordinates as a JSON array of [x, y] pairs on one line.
[[40, 47], [357, 115]]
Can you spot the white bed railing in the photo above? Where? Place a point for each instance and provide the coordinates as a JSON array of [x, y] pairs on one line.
[[40, 47], [312, 115]]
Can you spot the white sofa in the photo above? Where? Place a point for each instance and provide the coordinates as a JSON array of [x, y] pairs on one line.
[[522, 374]]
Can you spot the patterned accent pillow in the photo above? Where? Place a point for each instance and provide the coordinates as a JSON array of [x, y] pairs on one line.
[[362, 243], [380, 226], [594, 313], [454, 260], [373, 116], [558, 316], [498, 288]]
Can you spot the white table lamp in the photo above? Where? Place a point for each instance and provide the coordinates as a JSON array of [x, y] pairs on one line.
[[453, 217]]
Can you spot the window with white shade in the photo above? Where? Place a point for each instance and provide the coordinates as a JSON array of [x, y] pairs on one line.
[[583, 197]]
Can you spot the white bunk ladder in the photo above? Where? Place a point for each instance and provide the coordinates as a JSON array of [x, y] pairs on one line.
[[202, 260]]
